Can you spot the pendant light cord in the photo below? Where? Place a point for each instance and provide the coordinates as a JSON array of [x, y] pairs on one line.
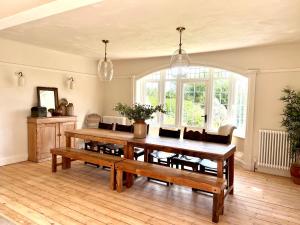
[[180, 32], [180, 29], [105, 54]]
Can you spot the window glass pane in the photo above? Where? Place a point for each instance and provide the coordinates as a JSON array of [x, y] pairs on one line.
[[151, 93], [198, 73], [193, 106], [151, 97], [220, 109], [170, 102]]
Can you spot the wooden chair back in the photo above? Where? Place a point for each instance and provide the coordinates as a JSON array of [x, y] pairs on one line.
[[92, 120], [224, 135], [193, 135], [124, 128], [169, 133], [106, 126], [227, 130]]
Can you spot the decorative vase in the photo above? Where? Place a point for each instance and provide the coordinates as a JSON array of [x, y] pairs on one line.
[[140, 129], [63, 109], [70, 109], [295, 173]]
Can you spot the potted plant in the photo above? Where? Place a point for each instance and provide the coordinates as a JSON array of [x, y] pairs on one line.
[[291, 121], [139, 113]]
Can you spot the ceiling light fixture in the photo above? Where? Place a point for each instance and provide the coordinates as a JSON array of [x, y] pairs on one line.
[[180, 61], [105, 66]]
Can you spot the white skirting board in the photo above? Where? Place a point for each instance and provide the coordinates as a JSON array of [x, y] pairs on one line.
[[278, 172], [13, 159]]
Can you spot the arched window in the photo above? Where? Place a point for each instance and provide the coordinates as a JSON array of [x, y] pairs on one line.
[[205, 98]]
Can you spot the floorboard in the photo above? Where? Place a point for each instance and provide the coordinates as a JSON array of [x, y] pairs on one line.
[[31, 194]]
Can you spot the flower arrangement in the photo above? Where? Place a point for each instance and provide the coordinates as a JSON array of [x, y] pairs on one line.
[[138, 112]]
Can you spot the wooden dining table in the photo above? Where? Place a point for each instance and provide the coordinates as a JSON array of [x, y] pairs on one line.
[[205, 150]]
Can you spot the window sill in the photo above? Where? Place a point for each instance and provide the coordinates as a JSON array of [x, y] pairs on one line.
[[241, 136]]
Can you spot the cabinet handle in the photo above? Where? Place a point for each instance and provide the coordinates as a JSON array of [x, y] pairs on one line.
[[59, 135]]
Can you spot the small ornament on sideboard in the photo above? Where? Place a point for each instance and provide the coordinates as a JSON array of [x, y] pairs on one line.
[[38, 111], [70, 109]]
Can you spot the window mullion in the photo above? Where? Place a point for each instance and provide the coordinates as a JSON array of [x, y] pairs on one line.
[[179, 87], [209, 100], [161, 91]]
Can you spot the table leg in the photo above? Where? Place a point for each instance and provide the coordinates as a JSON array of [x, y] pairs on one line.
[[129, 154], [231, 173], [54, 163], [146, 154], [68, 141], [220, 168]]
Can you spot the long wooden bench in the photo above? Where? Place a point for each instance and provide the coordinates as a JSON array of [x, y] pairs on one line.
[[199, 181], [69, 154]]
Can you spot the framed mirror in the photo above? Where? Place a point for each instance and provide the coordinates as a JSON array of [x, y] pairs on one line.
[[47, 97]]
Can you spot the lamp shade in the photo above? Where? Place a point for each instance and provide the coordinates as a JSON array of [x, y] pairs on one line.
[[180, 63], [105, 69]]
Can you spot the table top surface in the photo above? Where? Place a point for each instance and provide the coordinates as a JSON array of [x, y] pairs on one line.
[[184, 146]]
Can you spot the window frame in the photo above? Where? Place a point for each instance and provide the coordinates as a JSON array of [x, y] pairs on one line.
[[208, 78]]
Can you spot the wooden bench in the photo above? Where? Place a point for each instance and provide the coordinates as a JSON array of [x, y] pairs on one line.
[[69, 154], [199, 181]]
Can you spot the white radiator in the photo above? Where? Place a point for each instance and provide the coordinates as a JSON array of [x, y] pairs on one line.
[[274, 148]]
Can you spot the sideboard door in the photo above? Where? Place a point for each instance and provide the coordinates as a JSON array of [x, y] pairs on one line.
[[46, 139]]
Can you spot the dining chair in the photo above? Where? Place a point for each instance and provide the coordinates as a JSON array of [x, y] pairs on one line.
[[164, 158], [92, 120], [160, 157], [224, 136], [114, 149], [105, 126], [188, 161]]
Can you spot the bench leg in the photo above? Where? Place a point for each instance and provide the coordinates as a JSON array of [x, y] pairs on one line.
[[112, 178], [221, 206], [216, 205], [119, 180], [54, 162], [66, 163]]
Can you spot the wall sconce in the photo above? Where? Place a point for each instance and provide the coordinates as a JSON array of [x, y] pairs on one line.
[[21, 78], [71, 83]]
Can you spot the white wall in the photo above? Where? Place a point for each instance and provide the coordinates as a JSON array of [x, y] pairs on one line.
[[277, 66], [42, 67]]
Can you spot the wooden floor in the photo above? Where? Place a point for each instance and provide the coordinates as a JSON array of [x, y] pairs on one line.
[[31, 194]]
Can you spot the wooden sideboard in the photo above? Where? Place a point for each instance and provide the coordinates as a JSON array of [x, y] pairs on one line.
[[45, 133]]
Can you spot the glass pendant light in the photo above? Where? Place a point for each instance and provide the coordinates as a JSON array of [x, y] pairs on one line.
[[180, 61], [105, 66]]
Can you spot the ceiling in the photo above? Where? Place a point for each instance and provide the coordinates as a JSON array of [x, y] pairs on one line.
[[12, 7], [147, 28]]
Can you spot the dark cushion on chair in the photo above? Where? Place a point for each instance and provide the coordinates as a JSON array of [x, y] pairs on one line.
[[189, 159], [138, 151], [162, 155]]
